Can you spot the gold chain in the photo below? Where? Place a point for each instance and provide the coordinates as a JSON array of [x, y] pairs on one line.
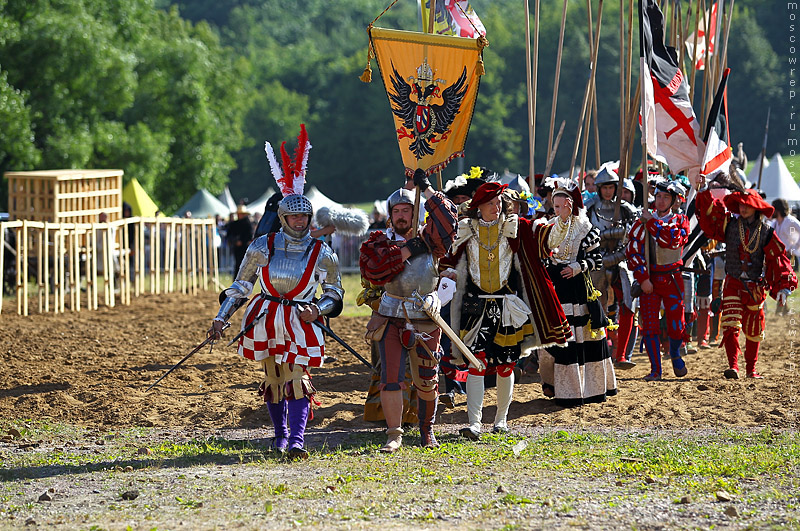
[[565, 247], [754, 238], [488, 248]]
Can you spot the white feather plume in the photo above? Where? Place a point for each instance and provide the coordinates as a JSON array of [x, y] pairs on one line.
[[277, 173], [348, 221]]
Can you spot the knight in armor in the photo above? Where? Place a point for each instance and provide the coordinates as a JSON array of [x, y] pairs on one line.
[[290, 266], [408, 270], [581, 371], [615, 275], [755, 264], [660, 278], [503, 297]]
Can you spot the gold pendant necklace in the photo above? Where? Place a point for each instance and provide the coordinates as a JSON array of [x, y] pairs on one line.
[[754, 238], [489, 248]]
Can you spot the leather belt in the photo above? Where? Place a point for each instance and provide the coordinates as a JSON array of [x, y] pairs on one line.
[[280, 300]]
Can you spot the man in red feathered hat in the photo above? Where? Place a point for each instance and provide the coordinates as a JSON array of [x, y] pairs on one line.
[[755, 261], [503, 297]]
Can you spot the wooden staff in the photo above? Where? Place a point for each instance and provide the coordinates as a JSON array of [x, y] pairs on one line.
[[531, 95], [535, 78], [694, 52], [550, 147], [592, 107], [624, 161], [552, 156], [596, 127], [645, 184], [763, 150], [723, 63], [589, 82], [623, 96]]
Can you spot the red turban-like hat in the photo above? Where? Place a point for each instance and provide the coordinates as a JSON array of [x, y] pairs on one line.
[[486, 192], [749, 198]]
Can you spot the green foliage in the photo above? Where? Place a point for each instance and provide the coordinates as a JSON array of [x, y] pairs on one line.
[[182, 95]]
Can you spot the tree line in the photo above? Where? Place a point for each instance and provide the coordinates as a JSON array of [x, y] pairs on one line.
[[183, 94]]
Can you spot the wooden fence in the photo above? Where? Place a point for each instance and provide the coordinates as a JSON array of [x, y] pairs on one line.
[[74, 263]]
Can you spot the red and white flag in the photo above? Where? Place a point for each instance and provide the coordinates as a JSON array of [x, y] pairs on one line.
[[718, 153], [699, 56], [670, 127]]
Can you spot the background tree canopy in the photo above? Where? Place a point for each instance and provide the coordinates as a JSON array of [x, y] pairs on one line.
[[183, 94]]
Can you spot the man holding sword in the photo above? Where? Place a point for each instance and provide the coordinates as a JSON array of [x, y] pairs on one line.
[[277, 328]]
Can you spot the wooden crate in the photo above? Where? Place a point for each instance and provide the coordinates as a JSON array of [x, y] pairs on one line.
[[64, 196]]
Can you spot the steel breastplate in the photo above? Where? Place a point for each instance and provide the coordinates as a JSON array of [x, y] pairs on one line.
[[288, 262], [601, 217], [420, 275], [664, 256]]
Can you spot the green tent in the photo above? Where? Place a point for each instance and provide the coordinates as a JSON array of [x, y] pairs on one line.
[[203, 205]]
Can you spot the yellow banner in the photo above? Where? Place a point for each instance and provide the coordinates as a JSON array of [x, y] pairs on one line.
[[432, 84]]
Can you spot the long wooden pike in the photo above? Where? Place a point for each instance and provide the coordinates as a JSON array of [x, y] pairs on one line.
[[763, 150], [552, 156], [531, 96], [625, 160], [589, 83], [694, 53], [535, 76], [592, 108], [550, 147]]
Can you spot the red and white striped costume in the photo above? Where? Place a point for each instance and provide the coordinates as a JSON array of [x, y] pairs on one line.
[[281, 333]]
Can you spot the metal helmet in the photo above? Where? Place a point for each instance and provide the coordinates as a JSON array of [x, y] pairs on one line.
[[294, 204], [605, 176], [399, 197], [671, 187], [628, 185]]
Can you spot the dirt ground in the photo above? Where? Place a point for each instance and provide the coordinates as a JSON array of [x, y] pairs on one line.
[[92, 368]]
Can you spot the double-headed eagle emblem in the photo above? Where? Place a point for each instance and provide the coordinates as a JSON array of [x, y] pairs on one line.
[[422, 122]]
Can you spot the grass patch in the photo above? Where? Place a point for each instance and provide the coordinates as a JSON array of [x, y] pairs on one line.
[[493, 483]]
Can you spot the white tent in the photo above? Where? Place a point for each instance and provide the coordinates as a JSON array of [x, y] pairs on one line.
[[257, 206], [320, 200], [226, 198], [777, 182], [753, 175], [514, 182]]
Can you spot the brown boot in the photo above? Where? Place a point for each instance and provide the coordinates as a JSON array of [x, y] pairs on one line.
[[428, 439], [394, 440]]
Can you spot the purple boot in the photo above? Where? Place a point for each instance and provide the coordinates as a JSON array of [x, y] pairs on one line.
[[278, 413], [298, 416]]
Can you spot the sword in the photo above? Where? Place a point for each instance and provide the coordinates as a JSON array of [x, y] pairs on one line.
[[427, 307], [339, 340], [209, 339], [324, 327], [247, 328]]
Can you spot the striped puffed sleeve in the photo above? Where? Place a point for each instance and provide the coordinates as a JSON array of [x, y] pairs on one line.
[[670, 234], [634, 251], [440, 230], [712, 216]]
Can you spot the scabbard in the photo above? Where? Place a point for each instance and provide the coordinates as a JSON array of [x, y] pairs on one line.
[[449, 332]]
